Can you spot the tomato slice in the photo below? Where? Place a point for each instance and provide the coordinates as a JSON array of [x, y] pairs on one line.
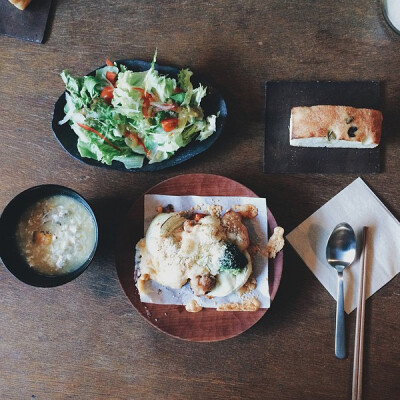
[[178, 90], [169, 124], [109, 63], [112, 77], [137, 140], [146, 97], [107, 94], [144, 94], [145, 107], [139, 90]]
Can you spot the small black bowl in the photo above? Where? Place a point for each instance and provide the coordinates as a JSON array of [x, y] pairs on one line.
[[9, 252]]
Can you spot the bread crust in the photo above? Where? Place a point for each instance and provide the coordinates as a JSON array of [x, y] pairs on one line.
[[21, 4], [335, 126], [251, 304]]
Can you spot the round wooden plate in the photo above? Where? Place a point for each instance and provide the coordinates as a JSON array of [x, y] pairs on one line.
[[208, 325]]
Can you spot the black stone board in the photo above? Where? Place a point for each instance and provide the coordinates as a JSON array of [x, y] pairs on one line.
[[281, 96], [29, 24]]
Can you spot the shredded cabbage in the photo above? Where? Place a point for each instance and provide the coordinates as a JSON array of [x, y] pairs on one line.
[[149, 115]]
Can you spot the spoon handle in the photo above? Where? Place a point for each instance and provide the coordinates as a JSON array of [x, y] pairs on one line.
[[340, 337]]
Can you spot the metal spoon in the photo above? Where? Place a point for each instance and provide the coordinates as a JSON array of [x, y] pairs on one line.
[[340, 253]]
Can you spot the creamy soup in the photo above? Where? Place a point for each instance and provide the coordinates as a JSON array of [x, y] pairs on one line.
[[56, 235]]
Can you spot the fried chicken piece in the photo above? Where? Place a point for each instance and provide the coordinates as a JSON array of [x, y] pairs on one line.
[[193, 306], [249, 286], [202, 284], [246, 210], [235, 229], [275, 242], [168, 209]]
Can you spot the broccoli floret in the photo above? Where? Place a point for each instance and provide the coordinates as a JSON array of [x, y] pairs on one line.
[[233, 259]]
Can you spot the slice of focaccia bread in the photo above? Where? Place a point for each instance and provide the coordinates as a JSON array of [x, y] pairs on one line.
[[21, 4], [335, 126]]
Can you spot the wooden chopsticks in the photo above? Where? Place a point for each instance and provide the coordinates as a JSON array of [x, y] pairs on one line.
[[359, 341]]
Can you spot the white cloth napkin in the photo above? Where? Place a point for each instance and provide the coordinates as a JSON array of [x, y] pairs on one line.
[[358, 206]]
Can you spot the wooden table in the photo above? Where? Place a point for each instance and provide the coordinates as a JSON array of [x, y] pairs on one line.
[[84, 340]]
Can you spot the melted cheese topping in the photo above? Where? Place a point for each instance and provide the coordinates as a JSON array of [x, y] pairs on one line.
[[172, 259]]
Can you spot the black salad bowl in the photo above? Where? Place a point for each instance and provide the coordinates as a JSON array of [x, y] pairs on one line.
[[9, 252], [212, 103]]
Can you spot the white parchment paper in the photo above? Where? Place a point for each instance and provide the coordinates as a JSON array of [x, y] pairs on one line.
[[258, 232]]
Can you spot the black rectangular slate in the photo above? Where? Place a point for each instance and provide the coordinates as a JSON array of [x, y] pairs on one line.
[[29, 24], [281, 96]]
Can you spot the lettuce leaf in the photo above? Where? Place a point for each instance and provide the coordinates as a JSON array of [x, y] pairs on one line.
[[84, 105], [185, 84], [209, 128], [131, 161]]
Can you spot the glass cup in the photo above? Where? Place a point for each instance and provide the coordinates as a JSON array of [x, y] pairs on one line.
[[391, 12]]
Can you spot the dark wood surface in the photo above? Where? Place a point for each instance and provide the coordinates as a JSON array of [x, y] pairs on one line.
[[84, 340]]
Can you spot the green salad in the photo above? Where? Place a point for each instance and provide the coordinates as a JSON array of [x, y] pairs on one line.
[[127, 116]]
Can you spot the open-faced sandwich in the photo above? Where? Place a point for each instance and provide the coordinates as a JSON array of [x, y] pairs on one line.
[[209, 252]]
